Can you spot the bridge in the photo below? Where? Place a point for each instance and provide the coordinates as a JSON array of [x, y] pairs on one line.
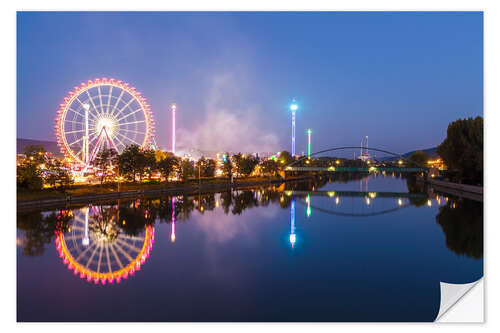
[[355, 194], [346, 169], [417, 169], [333, 212]]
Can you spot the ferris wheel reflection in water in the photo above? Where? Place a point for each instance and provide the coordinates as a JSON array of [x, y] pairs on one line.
[[97, 249]]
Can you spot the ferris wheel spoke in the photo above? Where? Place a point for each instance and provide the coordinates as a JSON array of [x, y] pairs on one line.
[[72, 237], [94, 136], [122, 251], [90, 113], [112, 247], [132, 122], [99, 260], [74, 122], [129, 114], [100, 98], [72, 143], [78, 113], [92, 255], [123, 108], [117, 101], [128, 245], [77, 131], [109, 99], [92, 101], [109, 260], [84, 252], [137, 132], [120, 142], [77, 227], [129, 139]]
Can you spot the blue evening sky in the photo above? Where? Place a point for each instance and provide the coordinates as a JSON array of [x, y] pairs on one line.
[[399, 78]]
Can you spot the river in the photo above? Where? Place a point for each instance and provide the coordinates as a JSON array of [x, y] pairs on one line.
[[345, 249]]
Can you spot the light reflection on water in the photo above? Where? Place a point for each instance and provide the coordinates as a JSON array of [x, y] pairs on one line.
[[339, 253]]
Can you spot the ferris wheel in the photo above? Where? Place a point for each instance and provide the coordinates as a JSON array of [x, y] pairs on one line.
[[96, 249], [102, 113]]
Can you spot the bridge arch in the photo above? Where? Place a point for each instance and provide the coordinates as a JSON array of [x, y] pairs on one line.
[[353, 147]]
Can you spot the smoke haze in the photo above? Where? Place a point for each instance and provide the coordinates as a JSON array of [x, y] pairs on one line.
[[226, 124]]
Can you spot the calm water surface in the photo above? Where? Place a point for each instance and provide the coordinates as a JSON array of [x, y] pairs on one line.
[[365, 250]]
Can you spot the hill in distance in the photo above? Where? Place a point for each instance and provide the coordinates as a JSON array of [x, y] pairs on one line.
[[49, 146], [432, 152]]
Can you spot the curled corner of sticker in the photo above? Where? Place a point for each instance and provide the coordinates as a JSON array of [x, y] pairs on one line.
[[451, 293]]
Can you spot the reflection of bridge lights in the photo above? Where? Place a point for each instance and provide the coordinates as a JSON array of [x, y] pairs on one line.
[[367, 201], [331, 194], [400, 162], [372, 195], [337, 162], [337, 200], [453, 205], [429, 203], [400, 202]]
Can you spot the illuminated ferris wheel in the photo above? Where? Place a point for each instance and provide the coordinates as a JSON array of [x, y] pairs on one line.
[[102, 113], [95, 248]]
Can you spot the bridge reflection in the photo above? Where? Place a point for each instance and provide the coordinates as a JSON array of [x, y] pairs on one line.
[[358, 194]]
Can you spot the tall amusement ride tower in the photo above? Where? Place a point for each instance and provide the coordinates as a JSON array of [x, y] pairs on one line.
[[293, 108]]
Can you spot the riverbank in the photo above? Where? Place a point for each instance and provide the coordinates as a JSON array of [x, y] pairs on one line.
[[84, 194], [460, 190]]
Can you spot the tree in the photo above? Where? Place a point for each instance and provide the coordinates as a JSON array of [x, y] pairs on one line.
[[269, 167], [418, 159], [244, 164], [35, 154], [227, 166], [29, 176], [168, 165], [462, 224], [462, 150], [285, 158], [149, 160], [58, 174], [131, 162], [187, 169], [208, 168], [104, 160]]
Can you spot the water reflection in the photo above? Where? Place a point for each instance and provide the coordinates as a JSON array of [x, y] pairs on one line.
[[107, 243], [462, 223], [98, 246]]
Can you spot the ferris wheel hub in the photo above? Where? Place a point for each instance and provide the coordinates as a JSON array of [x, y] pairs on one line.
[[106, 122]]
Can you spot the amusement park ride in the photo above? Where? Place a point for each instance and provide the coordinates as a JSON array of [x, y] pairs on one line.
[[102, 113]]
